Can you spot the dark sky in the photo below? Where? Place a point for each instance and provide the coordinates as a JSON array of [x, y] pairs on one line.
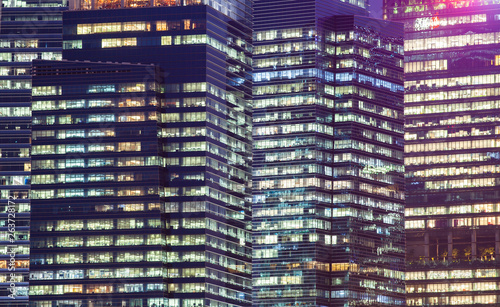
[[376, 8]]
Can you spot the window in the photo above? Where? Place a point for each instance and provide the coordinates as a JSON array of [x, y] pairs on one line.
[[72, 44], [46, 90], [100, 118], [118, 42], [102, 88]]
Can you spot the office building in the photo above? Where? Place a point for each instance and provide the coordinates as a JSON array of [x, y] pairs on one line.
[[96, 222], [328, 156], [28, 30], [202, 150], [452, 58]]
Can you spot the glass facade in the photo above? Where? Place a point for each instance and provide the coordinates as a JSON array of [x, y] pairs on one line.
[[97, 235], [328, 157], [203, 157], [238, 10], [28, 30], [451, 153]]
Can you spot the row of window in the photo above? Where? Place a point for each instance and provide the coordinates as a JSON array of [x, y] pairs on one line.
[[97, 88], [98, 224], [461, 183], [300, 196], [18, 264], [19, 207], [70, 119], [293, 142], [14, 71], [297, 154], [129, 207], [293, 224], [266, 171], [466, 119], [134, 26], [434, 84], [278, 61], [452, 287], [411, 67], [204, 191], [93, 288], [118, 240], [300, 182], [286, 47], [128, 273], [18, 43], [368, 120], [73, 133], [452, 158], [285, 75], [95, 177], [290, 33], [165, 41], [124, 272], [21, 249], [150, 302], [128, 161], [426, 23], [444, 133], [206, 223], [29, 56], [462, 209], [200, 256], [198, 206], [456, 222], [184, 40], [374, 108], [15, 84], [453, 300], [358, 145], [292, 100], [93, 103], [217, 243], [17, 235], [14, 111], [452, 274], [457, 145], [455, 171], [83, 148], [93, 192], [82, 29], [118, 42], [449, 95], [293, 128], [452, 107], [452, 41]]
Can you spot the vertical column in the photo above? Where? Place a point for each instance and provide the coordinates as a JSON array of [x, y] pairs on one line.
[[426, 247], [450, 246], [497, 244], [474, 244]]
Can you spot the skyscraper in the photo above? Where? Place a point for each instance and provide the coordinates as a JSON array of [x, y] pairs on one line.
[[97, 235], [328, 137], [203, 153], [28, 30], [452, 58]]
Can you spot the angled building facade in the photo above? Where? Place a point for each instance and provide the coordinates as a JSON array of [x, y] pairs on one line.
[[452, 58], [28, 30], [328, 201]]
